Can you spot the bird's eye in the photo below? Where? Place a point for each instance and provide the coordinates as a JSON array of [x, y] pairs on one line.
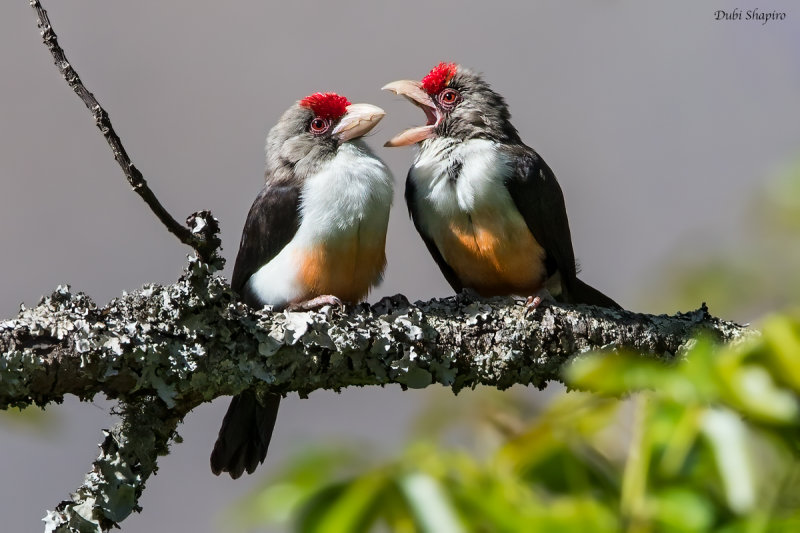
[[449, 98], [319, 126]]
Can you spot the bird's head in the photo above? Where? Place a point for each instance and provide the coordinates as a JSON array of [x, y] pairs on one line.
[[458, 104], [311, 131]]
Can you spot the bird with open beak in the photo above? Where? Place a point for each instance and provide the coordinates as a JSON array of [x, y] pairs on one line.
[[487, 206], [315, 235]]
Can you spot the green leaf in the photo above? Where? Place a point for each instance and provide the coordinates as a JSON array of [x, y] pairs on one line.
[[727, 435], [303, 476], [781, 335], [431, 507], [350, 508], [681, 509]]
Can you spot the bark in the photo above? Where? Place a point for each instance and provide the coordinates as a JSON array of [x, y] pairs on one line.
[[192, 341], [163, 350]]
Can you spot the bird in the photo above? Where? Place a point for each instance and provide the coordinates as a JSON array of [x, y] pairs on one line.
[[315, 235], [487, 206]]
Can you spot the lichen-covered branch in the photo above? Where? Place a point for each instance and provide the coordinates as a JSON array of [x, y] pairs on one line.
[[190, 342], [127, 458], [162, 351]]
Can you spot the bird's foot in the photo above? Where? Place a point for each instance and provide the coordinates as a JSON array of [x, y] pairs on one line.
[[316, 303], [533, 301]]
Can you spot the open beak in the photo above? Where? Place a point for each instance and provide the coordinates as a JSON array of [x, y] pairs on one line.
[[358, 119], [415, 94]]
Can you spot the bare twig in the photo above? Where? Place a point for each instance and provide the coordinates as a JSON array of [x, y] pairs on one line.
[[205, 250]]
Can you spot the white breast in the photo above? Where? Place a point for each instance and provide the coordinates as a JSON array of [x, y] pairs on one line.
[[480, 182], [351, 195], [355, 187], [472, 219]]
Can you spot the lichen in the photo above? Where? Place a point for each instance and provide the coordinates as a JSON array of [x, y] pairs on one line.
[[187, 343]]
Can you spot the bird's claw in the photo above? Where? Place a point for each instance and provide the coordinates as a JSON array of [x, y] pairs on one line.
[[535, 300], [531, 303], [316, 303]]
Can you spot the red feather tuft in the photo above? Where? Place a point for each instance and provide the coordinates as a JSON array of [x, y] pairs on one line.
[[438, 78], [326, 105]]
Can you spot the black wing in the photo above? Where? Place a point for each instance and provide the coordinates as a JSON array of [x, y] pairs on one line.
[[247, 427], [447, 270], [537, 195], [272, 222]]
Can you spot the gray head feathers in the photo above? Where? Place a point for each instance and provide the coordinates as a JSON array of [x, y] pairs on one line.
[[293, 152], [482, 113]]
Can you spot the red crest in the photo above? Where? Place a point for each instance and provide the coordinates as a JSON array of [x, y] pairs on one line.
[[326, 105], [438, 78]]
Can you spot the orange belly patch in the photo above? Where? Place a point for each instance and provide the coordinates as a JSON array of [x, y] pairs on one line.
[[494, 254], [346, 269]]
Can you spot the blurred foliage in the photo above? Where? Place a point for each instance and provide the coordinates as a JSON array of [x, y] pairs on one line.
[[755, 274], [710, 443]]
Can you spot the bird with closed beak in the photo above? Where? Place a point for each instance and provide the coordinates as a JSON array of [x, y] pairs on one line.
[[486, 205], [315, 235]]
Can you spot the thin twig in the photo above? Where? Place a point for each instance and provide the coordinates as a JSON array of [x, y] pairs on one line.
[[135, 178]]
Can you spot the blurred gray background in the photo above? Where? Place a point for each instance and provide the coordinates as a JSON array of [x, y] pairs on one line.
[[660, 123]]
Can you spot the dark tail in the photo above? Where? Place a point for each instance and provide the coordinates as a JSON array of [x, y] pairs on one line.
[[245, 434], [581, 293]]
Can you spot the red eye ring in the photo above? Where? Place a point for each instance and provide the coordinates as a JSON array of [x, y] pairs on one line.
[[448, 98], [319, 125]]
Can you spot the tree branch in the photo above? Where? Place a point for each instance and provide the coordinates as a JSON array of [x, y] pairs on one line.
[[192, 341], [162, 351], [127, 458], [205, 248]]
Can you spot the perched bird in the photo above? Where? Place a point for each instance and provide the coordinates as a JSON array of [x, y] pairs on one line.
[[315, 235], [487, 206]]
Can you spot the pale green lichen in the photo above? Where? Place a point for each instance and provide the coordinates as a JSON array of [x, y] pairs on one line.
[[190, 342]]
